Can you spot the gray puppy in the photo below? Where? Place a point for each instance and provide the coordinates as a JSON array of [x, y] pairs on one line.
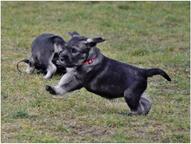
[[45, 50], [89, 68]]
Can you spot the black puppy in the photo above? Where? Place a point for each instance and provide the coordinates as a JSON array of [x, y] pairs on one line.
[[103, 76], [45, 49]]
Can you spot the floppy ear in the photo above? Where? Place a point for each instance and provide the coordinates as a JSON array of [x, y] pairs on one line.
[[93, 41], [73, 34]]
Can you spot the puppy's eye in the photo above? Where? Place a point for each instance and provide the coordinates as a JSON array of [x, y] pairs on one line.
[[73, 50]]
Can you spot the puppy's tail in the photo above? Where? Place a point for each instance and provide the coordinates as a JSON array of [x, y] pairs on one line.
[[27, 61], [157, 71]]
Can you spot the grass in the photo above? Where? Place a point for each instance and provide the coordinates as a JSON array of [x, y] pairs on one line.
[[146, 34]]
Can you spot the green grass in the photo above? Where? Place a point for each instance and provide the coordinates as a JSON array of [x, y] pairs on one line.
[[146, 34]]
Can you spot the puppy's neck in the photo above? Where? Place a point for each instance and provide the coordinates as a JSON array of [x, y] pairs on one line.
[[94, 57], [93, 53]]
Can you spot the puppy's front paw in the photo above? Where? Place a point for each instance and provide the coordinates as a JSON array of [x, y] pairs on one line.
[[50, 90]]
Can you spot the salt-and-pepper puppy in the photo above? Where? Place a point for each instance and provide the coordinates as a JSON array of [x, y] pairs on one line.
[[45, 50], [103, 76]]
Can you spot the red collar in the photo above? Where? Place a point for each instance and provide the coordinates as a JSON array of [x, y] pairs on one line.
[[89, 61]]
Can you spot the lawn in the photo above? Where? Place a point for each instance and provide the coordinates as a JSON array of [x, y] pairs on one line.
[[145, 34]]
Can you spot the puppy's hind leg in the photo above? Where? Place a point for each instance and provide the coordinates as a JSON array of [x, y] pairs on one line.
[[50, 70], [133, 98], [144, 104]]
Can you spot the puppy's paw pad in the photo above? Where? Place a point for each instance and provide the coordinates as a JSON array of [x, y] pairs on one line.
[[50, 90]]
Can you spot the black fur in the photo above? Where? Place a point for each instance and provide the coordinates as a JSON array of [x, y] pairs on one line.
[[104, 76]]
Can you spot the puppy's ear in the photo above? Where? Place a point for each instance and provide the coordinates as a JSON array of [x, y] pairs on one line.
[[73, 34], [94, 41]]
